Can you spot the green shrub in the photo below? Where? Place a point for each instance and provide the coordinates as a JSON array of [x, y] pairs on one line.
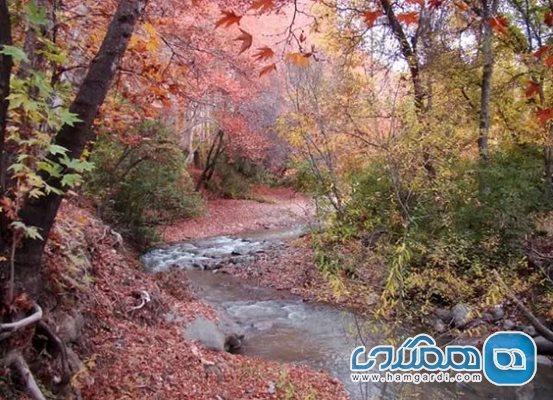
[[141, 185], [472, 217]]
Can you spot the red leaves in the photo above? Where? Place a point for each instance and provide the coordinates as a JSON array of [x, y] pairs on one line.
[[544, 115], [548, 18], [228, 19], [264, 53], [544, 53], [541, 51], [267, 69], [408, 18], [370, 17], [263, 5], [246, 40], [415, 2], [532, 88], [499, 24]]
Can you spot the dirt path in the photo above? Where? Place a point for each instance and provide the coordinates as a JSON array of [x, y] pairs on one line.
[[272, 208]]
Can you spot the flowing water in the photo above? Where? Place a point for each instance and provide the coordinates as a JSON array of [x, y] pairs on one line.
[[281, 327]]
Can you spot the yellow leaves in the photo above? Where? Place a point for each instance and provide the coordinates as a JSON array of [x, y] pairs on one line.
[[263, 5], [408, 18], [370, 17], [264, 53], [246, 40], [228, 19], [267, 69], [149, 42], [298, 59]]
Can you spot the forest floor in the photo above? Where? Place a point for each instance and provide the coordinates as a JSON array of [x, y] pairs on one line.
[[127, 351]]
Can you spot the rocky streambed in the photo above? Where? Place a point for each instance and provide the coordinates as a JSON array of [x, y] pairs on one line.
[[277, 325]]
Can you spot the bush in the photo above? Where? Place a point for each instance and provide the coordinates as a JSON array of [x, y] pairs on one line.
[[444, 235], [142, 184]]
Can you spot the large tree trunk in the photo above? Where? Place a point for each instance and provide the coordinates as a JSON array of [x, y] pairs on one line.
[[5, 74], [42, 211], [489, 8]]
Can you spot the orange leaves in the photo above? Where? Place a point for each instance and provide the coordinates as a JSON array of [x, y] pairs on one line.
[[263, 5], [264, 53], [370, 17], [532, 88], [461, 5], [408, 18], [298, 59], [246, 40], [544, 53], [544, 115], [499, 24], [267, 69], [228, 19]]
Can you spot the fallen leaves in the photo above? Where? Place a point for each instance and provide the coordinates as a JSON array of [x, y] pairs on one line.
[[228, 19]]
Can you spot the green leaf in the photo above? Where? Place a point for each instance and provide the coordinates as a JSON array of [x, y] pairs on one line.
[[71, 180], [35, 14], [14, 52], [29, 231], [56, 149], [69, 118]]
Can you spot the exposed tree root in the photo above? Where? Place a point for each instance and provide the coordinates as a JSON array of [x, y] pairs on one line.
[[9, 328], [15, 360], [48, 332]]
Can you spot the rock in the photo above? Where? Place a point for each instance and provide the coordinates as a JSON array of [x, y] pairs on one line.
[[439, 326], [444, 314], [487, 317], [70, 326], [530, 330], [497, 313], [545, 347], [508, 325], [544, 361], [225, 336], [461, 315], [207, 333]]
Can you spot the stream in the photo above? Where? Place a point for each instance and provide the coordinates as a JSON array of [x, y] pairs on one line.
[[282, 327]]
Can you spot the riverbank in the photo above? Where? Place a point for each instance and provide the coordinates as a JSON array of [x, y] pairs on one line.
[[125, 328]]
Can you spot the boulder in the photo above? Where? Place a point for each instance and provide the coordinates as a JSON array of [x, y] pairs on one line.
[[461, 315], [225, 336], [508, 325], [439, 326], [497, 313], [530, 330], [444, 314], [70, 326]]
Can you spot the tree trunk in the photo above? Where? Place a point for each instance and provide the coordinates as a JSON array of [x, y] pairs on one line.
[[489, 8], [6, 65], [410, 54], [42, 211]]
